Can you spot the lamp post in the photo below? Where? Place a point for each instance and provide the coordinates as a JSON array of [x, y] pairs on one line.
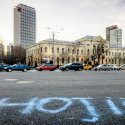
[[53, 40]]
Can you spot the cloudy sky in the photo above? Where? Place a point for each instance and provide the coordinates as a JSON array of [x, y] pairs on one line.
[[77, 17]]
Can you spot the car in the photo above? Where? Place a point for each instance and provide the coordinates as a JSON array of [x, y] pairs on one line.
[[3, 65], [109, 67], [50, 67], [98, 68], [87, 67], [17, 67], [72, 66], [122, 67]]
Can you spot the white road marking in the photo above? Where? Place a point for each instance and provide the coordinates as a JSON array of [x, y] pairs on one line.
[[11, 79], [23, 82]]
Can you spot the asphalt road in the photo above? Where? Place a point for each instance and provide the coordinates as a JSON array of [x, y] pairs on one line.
[[62, 98]]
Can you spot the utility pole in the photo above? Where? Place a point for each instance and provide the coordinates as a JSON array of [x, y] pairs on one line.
[[53, 40]]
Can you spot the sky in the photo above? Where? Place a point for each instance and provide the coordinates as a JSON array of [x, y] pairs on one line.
[[78, 18]]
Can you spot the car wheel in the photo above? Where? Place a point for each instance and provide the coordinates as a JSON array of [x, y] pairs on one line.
[[24, 70], [39, 69], [80, 69], [9, 70], [67, 69], [99, 69]]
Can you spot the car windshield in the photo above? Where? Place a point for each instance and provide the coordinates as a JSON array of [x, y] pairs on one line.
[[68, 64]]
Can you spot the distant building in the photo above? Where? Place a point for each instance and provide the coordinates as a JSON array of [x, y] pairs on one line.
[[1, 49], [108, 29], [10, 49], [116, 38], [24, 25]]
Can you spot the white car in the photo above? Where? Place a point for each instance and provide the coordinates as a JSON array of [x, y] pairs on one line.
[[122, 67], [98, 68]]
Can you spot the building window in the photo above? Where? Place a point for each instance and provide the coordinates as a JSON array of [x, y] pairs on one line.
[[52, 50], [57, 50], [41, 49], [109, 53], [106, 52], [45, 49], [112, 54], [115, 53], [62, 50], [63, 60], [69, 50], [82, 60], [81, 51], [77, 51], [68, 60], [73, 51], [87, 51], [77, 60]]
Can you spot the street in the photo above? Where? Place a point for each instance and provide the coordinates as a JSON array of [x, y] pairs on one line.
[[62, 98]]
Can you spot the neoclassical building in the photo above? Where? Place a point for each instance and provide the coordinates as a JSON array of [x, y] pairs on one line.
[[64, 52], [89, 49]]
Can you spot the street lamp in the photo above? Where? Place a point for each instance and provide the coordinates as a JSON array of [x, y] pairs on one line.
[[53, 38]]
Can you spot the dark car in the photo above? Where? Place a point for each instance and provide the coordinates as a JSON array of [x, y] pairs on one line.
[[72, 66], [49, 67], [3, 65], [18, 67]]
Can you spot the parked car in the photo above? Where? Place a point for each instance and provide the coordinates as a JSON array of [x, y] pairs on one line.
[[109, 67], [122, 67], [72, 66], [49, 67], [3, 65], [17, 67], [98, 68], [87, 67]]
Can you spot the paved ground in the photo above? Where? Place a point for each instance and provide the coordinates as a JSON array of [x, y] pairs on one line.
[[62, 98]]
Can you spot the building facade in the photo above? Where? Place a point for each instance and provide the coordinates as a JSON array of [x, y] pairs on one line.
[[89, 49], [116, 38], [10, 48], [108, 29], [64, 52], [1, 49], [24, 25], [95, 48]]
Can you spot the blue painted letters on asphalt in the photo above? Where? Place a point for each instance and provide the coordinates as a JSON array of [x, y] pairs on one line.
[[43, 102], [91, 110], [36, 104], [113, 107]]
